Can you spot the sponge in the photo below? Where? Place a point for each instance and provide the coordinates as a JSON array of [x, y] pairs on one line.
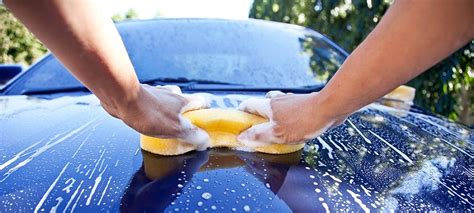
[[223, 127]]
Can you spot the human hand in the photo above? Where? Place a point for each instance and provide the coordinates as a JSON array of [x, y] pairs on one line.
[[293, 118], [156, 112]]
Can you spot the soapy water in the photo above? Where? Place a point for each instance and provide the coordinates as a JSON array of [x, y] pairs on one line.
[[354, 166]]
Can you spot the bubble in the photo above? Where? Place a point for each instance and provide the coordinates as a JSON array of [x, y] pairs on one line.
[[200, 203], [206, 195], [246, 208], [180, 185], [206, 180], [198, 187], [213, 207]]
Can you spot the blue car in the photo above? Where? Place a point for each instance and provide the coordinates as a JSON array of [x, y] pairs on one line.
[[60, 151]]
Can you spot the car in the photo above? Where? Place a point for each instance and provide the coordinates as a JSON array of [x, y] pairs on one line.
[[60, 151]]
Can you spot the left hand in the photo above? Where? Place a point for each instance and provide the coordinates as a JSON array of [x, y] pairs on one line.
[[293, 118]]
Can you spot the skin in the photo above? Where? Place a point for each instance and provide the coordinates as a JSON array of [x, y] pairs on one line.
[[86, 41], [411, 37]]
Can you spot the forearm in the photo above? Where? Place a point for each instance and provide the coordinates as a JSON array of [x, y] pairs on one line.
[[411, 37], [85, 41]]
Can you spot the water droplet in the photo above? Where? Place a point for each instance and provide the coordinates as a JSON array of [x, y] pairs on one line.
[[246, 208], [317, 190], [311, 176], [200, 203], [206, 180], [206, 195], [267, 185], [180, 185], [198, 187], [213, 207], [242, 184]]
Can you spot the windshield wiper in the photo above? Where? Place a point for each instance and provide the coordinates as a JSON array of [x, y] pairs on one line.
[[184, 82], [54, 90], [243, 88], [199, 85]]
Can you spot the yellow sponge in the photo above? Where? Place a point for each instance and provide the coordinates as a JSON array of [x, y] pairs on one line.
[[223, 127], [402, 93]]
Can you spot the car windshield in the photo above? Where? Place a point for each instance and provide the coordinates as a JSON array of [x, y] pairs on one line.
[[250, 53]]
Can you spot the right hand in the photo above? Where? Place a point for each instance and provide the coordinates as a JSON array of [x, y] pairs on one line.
[[293, 118], [156, 112]]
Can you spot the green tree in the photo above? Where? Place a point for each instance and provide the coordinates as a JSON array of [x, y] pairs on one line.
[[445, 89], [130, 14], [17, 44]]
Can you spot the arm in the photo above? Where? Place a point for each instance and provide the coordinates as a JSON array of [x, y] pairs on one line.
[[87, 43], [411, 37]]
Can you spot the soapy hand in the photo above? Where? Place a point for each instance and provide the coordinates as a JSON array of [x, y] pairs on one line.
[[157, 111], [293, 119]]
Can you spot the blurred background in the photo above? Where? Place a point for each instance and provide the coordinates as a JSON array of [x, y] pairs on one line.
[[445, 89]]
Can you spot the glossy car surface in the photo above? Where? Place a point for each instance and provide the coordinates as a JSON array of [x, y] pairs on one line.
[[60, 151]]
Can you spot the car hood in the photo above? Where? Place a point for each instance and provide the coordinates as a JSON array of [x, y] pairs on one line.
[[68, 154]]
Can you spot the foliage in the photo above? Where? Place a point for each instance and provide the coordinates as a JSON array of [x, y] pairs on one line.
[[444, 89], [130, 14], [17, 44]]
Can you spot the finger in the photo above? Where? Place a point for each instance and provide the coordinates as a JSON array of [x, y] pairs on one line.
[[193, 135], [274, 93], [259, 106], [171, 88], [259, 135], [195, 102]]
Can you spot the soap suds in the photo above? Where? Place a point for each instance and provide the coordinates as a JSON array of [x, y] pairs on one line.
[[259, 106], [194, 135]]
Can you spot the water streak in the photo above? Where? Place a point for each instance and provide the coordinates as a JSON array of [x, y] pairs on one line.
[[94, 188], [105, 189], [40, 203], [393, 147], [72, 197], [358, 131], [358, 201], [326, 146], [45, 148]]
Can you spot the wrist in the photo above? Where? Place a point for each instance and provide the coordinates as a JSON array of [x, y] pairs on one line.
[[327, 107], [123, 101]]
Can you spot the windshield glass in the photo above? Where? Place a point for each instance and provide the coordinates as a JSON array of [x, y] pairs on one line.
[[250, 53]]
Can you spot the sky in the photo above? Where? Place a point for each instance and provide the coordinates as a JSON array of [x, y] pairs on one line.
[[227, 9]]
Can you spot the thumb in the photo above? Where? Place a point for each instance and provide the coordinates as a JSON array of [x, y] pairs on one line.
[[259, 135], [195, 102], [259, 106]]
